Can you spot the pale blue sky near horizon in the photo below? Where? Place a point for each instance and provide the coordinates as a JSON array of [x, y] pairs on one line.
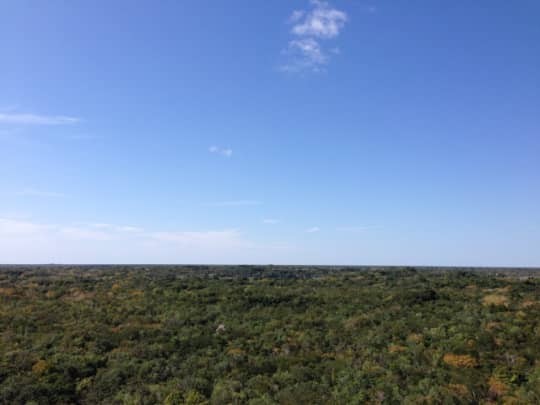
[[302, 132]]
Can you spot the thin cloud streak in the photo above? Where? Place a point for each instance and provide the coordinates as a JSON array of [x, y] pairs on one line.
[[34, 119], [103, 231]]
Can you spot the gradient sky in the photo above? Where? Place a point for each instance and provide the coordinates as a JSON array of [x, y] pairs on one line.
[[350, 132]]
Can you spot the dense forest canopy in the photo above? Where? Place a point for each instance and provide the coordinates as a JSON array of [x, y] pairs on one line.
[[268, 335]]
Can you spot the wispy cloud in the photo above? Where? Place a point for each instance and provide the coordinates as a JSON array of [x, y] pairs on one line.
[[30, 242], [305, 53], [117, 228], [34, 119], [321, 22], [296, 15], [15, 227], [233, 203], [313, 229], [129, 229], [104, 231], [270, 221], [227, 152], [30, 192]]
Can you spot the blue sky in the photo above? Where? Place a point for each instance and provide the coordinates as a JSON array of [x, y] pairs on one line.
[[349, 132]]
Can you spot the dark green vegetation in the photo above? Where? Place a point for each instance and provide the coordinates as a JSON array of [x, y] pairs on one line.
[[267, 335]]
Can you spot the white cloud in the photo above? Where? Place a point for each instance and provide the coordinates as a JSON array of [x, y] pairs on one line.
[[321, 22], [305, 52], [30, 192], [33, 119], [227, 152], [313, 229], [270, 221], [233, 203]]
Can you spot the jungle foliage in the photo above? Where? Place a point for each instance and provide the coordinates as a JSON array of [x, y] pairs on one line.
[[268, 335]]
